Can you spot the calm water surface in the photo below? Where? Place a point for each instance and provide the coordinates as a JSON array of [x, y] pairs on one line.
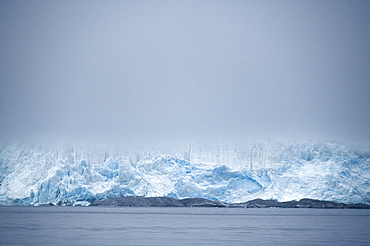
[[182, 226]]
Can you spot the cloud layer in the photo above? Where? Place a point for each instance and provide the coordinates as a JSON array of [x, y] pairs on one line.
[[138, 70]]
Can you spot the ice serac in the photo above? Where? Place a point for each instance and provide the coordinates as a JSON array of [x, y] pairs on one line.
[[77, 175]]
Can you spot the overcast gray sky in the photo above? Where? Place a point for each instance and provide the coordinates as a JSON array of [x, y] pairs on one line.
[[128, 70]]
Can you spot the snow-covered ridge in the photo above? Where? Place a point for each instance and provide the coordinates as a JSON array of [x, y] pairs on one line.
[[76, 175]]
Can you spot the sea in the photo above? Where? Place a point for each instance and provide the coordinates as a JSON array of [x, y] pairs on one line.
[[182, 226]]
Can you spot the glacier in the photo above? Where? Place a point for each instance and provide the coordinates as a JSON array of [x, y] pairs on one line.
[[78, 175]]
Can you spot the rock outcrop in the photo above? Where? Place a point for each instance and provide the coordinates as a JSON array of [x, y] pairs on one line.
[[138, 201]]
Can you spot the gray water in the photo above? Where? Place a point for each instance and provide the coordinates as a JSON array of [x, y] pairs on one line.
[[182, 226]]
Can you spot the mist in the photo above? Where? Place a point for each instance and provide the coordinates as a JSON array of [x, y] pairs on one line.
[[124, 71]]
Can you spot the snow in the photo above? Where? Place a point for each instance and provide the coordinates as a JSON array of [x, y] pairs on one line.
[[70, 175]]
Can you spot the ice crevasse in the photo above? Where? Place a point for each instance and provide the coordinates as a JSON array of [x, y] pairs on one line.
[[36, 175]]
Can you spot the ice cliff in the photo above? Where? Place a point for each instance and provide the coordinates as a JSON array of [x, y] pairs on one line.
[[75, 175]]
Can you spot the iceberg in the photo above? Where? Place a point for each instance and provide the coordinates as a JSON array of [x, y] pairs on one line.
[[78, 175]]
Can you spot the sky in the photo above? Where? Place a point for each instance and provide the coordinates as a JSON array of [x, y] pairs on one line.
[[123, 71]]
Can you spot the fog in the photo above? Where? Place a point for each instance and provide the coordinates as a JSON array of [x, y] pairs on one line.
[[123, 71]]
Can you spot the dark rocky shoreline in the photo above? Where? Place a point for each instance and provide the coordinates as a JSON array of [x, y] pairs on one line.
[[303, 203], [138, 201]]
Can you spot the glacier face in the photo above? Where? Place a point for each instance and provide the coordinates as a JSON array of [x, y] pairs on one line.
[[35, 175]]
